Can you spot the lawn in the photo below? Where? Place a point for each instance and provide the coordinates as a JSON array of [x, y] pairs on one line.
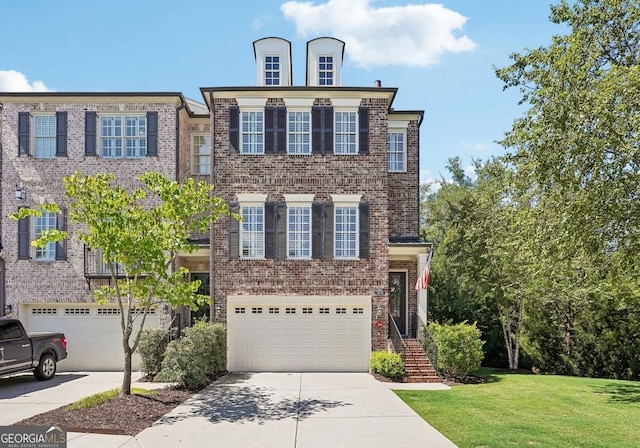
[[519, 410]]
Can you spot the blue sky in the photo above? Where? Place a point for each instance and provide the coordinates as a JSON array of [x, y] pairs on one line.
[[439, 55]]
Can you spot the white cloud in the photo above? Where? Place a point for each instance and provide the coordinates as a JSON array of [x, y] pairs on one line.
[[13, 81], [410, 35]]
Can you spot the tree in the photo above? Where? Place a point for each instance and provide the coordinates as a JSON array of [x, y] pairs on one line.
[[140, 232], [577, 146]]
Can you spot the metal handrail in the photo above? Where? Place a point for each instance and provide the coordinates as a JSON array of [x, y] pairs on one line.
[[396, 338], [426, 340]]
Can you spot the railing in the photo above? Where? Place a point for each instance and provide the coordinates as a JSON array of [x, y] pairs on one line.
[[426, 340], [95, 267], [396, 338]]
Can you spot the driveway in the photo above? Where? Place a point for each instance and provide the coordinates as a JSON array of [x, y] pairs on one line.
[[294, 410]]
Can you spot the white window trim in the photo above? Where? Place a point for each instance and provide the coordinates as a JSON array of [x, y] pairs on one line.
[[32, 132], [251, 200], [241, 133], [402, 131], [300, 200], [265, 71], [295, 109], [193, 154], [99, 136], [342, 109], [347, 200], [32, 236]]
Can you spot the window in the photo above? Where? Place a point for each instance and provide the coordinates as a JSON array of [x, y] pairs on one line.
[[201, 150], [41, 224], [346, 233], [123, 136], [272, 70], [299, 132], [325, 70], [299, 232], [345, 134], [10, 331], [45, 136], [46, 132], [397, 152], [252, 233], [252, 132]]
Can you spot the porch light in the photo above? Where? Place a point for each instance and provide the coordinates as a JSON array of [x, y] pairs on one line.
[[21, 194]]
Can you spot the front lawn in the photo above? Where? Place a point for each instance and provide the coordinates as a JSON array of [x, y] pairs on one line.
[[516, 410]]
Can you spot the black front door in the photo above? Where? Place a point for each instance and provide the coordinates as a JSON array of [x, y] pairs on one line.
[[398, 299], [204, 311]]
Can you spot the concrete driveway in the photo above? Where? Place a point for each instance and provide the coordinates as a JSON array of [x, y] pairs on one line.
[[296, 410]]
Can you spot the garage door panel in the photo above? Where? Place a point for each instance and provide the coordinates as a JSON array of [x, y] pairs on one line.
[[319, 336], [93, 333]]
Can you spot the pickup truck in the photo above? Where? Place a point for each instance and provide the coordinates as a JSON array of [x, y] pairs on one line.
[[20, 351]]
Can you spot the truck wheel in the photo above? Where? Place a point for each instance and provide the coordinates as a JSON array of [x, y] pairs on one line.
[[46, 369]]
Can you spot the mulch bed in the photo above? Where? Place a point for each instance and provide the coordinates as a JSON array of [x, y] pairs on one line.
[[125, 414]]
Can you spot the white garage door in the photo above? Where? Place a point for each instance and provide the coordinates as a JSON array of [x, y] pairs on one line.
[[93, 333], [308, 334]]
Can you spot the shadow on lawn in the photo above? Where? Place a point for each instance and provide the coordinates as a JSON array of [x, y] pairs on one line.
[[621, 392]]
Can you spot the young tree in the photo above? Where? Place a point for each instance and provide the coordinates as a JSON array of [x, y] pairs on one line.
[[140, 232]]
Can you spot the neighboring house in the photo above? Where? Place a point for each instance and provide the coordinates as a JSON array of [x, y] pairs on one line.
[[325, 177]]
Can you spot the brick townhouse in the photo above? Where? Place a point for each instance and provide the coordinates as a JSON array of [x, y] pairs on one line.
[[325, 177]]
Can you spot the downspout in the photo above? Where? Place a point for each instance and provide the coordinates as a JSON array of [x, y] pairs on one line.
[[212, 247], [178, 109]]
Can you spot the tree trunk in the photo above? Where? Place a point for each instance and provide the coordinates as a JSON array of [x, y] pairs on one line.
[[126, 380]]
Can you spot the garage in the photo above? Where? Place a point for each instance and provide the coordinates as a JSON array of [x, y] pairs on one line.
[[93, 333], [299, 334]]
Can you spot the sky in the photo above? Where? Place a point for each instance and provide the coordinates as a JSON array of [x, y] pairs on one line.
[[441, 56]]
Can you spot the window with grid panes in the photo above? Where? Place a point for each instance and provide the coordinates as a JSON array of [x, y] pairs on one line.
[[252, 232], [252, 125], [299, 132], [44, 134], [345, 132]]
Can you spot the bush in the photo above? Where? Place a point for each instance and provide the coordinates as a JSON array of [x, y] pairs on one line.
[[200, 353], [459, 347], [387, 364], [153, 342]]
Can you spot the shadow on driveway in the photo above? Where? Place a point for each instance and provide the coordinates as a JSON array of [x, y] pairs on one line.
[[233, 400], [15, 386]]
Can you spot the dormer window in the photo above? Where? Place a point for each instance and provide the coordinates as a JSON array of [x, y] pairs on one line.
[[325, 71], [273, 61], [272, 70], [324, 62]]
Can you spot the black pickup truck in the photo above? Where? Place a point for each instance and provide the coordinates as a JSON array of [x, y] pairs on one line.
[[20, 351]]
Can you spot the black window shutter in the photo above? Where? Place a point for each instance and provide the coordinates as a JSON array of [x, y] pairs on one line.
[[61, 134], [23, 133], [322, 231], [90, 133], [328, 231], [234, 233], [234, 129], [24, 243], [269, 130], [281, 231], [270, 217], [281, 130], [363, 124], [61, 246], [322, 130], [364, 229], [275, 231], [152, 133]]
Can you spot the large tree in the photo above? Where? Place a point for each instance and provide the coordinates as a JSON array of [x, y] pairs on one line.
[[139, 232], [578, 147]]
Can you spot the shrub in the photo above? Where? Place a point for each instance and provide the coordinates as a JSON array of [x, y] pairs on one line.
[[459, 347], [200, 353], [387, 364], [153, 342]]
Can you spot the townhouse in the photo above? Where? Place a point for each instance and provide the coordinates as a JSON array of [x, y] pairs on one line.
[[321, 269]]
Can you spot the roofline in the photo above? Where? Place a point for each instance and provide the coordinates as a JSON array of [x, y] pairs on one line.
[[178, 97], [418, 112], [284, 91]]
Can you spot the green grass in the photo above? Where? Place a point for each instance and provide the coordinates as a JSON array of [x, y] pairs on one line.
[[103, 397], [534, 411]]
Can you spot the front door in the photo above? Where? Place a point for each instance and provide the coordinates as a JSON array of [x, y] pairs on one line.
[[398, 300], [204, 311]]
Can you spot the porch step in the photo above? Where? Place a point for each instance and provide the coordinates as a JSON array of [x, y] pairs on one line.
[[417, 366]]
